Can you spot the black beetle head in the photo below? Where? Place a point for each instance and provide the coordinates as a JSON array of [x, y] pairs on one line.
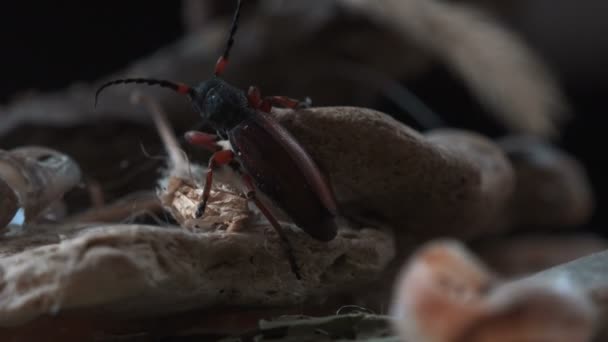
[[220, 104]]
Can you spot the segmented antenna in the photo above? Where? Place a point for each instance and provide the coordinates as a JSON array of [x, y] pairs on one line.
[[223, 60], [178, 87]]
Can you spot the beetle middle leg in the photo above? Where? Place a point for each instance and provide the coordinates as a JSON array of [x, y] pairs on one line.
[[251, 195], [218, 159]]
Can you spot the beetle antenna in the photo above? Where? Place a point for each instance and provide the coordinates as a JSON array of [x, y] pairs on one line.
[[220, 66], [178, 87]]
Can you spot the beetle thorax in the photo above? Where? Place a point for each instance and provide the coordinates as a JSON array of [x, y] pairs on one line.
[[221, 104]]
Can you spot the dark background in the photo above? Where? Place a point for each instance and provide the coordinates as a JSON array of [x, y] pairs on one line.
[[48, 45]]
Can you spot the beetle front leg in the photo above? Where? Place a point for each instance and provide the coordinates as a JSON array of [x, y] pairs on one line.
[[217, 160], [204, 140], [251, 195]]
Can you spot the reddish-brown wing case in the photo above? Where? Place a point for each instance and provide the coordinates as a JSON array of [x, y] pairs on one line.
[[284, 171]]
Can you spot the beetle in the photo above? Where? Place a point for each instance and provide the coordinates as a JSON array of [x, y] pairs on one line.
[[263, 152]]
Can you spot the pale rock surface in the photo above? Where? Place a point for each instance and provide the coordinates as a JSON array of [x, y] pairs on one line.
[[145, 270]]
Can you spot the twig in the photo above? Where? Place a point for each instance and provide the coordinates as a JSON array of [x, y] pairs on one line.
[[178, 163]]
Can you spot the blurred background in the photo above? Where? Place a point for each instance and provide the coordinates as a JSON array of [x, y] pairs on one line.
[[49, 45]]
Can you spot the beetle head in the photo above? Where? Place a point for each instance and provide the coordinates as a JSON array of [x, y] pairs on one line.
[[220, 104]]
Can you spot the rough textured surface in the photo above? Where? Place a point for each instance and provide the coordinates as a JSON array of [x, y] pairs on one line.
[[146, 270], [448, 182]]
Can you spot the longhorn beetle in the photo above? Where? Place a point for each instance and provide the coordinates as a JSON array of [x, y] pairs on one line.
[[264, 153]]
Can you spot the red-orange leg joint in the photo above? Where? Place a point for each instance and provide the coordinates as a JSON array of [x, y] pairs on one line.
[[220, 66], [265, 106], [204, 140], [221, 158], [254, 97], [183, 89]]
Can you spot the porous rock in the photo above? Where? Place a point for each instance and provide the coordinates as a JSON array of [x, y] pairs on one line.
[[137, 270], [445, 183]]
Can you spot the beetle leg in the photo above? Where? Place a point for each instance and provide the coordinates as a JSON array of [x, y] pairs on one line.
[[217, 160], [251, 195], [254, 97], [287, 102], [204, 140]]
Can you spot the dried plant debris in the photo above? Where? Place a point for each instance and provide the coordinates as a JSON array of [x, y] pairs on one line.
[[176, 157], [227, 208], [38, 177], [445, 294], [352, 327]]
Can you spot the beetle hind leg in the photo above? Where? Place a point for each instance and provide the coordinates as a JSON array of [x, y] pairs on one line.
[[251, 195]]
